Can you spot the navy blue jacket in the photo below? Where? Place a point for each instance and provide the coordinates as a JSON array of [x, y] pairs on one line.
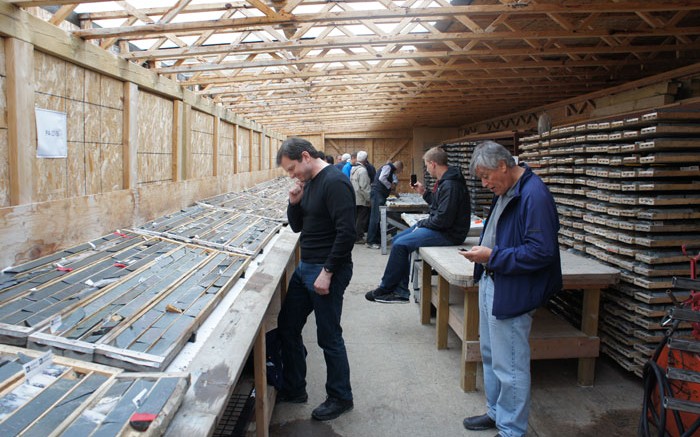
[[525, 259]]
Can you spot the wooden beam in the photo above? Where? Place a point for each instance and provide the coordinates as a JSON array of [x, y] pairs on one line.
[[31, 3], [390, 15], [130, 135], [62, 13], [19, 57]]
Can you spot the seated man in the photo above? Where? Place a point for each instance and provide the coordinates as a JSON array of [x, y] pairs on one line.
[[448, 224]]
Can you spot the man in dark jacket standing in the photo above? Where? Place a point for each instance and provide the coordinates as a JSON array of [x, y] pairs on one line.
[[447, 224], [321, 207], [518, 268]]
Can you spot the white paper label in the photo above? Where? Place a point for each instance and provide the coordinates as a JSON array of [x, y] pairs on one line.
[[36, 366], [55, 324]]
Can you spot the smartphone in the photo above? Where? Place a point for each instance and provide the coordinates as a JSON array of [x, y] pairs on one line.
[[414, 179]]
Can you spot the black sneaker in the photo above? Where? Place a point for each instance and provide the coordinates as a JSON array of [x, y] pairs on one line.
[[331, 408], [391, 298], [293, 398], [372, 294]]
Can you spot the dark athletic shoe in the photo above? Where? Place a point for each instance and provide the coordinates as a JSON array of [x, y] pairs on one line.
[[391, 298], [293, 398], [331, 408], [373, 294]]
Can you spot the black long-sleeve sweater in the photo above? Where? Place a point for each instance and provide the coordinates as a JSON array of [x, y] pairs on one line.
[[326, 218]]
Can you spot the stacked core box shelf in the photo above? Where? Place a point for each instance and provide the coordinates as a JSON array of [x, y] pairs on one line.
[[459, 155], [627, 192]]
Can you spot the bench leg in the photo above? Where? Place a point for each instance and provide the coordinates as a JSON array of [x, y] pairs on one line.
[[425, 293], [589, 326], [471, 333], [263, 409], [443, 312]]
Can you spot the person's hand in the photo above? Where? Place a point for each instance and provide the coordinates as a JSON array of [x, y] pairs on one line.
[[296, 193], [322, 284], [418, 188], [477, 254]]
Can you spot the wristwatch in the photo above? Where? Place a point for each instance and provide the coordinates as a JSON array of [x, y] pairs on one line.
[[327, 270]]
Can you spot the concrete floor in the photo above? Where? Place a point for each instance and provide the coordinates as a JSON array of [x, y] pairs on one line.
[[404, 386]]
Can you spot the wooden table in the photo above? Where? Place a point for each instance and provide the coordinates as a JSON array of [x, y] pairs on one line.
[[551, 337], [406, 202], [218, 367]]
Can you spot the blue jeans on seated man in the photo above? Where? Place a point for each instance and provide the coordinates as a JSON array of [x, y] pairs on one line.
[[399, 265], [505, 352], [300, 300]]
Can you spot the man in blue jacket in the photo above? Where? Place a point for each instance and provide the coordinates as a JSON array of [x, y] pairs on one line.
[[447, 224], [518, 268]]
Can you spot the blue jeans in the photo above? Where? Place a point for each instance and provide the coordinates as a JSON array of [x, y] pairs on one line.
[[505, 352], [376, 199], [301, 299], [399, 265]]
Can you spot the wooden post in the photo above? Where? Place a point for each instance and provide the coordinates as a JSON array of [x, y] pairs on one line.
[[425, 292], [19, 59], [215, 146], [130, 135], [262, 406], [250, 150], [589, 326], [443, 312], [178, 148], [470, 333], [235, 149], [186, 159]]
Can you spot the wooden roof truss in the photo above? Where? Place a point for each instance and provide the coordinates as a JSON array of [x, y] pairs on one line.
[[349, 65]]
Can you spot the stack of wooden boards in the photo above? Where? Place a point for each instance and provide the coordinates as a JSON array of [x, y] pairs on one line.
[[134, 298], [627, 192], [44, 395], [459, 154]]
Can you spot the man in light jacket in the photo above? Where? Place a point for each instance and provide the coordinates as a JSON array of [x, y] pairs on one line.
[[362, 185]]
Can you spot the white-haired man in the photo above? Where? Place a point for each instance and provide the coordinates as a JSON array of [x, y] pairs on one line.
[[362, 185]]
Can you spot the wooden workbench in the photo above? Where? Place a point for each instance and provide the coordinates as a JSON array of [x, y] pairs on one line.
[[551, 337]]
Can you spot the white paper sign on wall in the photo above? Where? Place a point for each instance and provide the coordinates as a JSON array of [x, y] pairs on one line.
[[51, 135]]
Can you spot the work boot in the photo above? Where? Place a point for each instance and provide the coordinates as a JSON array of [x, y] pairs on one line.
[[479, 423]]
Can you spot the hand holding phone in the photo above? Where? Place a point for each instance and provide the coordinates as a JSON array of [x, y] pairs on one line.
[[414, 179]]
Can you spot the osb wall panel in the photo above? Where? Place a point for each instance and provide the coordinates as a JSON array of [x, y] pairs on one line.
[[226, 147], [155, 138], [243, 150], [256, 152], [201, 145], [93, 104], [315, 140]]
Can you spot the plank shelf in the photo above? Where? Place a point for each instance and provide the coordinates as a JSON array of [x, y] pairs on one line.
[[626, 191]]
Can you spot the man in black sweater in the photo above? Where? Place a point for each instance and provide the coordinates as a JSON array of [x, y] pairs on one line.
[[321, 207], [447, 224]]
